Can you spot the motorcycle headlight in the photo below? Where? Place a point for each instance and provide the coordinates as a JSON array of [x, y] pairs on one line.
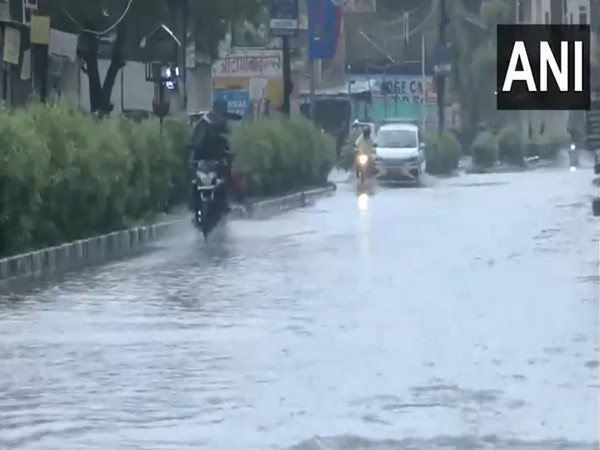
[[205, 178], [572, 146], [363, 159]]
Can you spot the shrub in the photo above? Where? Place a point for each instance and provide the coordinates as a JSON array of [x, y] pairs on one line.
[[484, 149], [66, 175], [348, 155], [442, 153], [277, 155], [24, 170], [178, 133], [511, 148], [549, 147]]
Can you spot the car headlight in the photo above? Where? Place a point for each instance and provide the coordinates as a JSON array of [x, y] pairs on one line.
[[363, 159]]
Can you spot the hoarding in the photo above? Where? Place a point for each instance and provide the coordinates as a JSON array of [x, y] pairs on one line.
[[240, 68], [238, 101], [249, 63], [411, 89], [284, 17]]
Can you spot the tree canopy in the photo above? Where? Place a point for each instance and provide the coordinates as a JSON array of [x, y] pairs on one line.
[[120, 25], [209, 19]]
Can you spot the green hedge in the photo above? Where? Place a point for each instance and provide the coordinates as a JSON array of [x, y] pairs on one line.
[[484, 149], [65, 175], [442, 153], [279, 155], [511, 148], [548, 147], [348, 156]]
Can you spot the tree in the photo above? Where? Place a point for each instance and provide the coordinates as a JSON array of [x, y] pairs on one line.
[[116, 28], [473, 55]]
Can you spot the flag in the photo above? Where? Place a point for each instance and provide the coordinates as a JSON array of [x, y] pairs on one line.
[[324, 24]]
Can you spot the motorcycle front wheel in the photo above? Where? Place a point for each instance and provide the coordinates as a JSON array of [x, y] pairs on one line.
[[201, 218], [361, 177]]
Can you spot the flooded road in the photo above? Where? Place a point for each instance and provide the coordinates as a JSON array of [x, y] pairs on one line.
[[462, 315]]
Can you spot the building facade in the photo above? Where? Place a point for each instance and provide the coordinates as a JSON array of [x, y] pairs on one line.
[[536, 125], [554, 11]]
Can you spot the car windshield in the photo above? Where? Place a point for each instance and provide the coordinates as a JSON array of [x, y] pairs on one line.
[[396, 138]]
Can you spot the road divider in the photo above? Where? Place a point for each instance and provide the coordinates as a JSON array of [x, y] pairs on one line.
[[124, 243]]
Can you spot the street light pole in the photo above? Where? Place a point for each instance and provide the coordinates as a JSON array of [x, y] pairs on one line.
[[312, 87], [184, 41], [287, 75], [441, 76]]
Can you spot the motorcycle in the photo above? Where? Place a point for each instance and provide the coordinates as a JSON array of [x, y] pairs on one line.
[[364, 167], [208, 171], [573, 157], [209, 201]]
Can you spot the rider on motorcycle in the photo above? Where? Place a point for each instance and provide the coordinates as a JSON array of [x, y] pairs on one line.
[[365, 145], [209, 142]]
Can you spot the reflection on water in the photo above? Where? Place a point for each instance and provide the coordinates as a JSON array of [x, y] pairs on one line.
[[363, 202]]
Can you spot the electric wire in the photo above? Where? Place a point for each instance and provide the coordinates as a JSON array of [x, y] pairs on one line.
[[417, 28], [402, 18], [104, 32], [433, 8]]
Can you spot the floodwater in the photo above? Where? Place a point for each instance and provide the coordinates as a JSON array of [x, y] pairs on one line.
[[460, 315]]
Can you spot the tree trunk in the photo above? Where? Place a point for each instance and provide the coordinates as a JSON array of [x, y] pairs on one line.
[[117, 62], [89, 54], [101, 92]]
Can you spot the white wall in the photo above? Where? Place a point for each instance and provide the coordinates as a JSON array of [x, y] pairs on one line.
[[574, 8], [556, 122], [132, 91], [540, 11]]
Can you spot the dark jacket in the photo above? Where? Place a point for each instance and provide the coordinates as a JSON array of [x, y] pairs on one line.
[[209, 140]]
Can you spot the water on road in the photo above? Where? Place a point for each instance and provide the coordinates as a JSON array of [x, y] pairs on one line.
[[461, 315]]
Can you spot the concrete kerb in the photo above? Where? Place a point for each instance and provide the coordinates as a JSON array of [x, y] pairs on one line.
[[126, 242], [82, 252]]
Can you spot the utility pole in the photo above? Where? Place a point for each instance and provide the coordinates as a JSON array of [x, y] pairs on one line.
[[284, 24], [287, 76], [442, 62], [184, 44], [312, 85]]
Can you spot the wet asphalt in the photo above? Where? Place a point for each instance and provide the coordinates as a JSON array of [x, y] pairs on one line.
[[460, 315]]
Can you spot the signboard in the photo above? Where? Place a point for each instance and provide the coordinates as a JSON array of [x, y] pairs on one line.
[[238, 102], [4, 10], [442, 60], [12, 45], [284, 17], [324, 27], [404, 88], [63, 44], [40, 30], [257, 88], [249, 63], [593, 124]]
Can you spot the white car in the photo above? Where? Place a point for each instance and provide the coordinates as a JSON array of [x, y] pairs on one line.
[[400, 153]]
